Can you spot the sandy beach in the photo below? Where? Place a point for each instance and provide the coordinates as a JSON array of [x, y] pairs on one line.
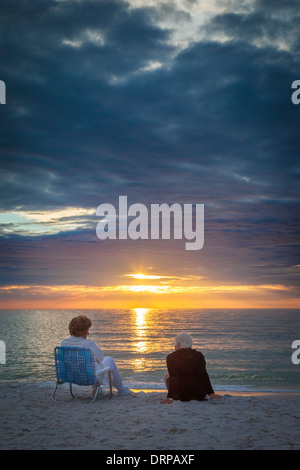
[[31, 420]]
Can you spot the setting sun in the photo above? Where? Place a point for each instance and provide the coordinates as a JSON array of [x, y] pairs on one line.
[[143, 276]]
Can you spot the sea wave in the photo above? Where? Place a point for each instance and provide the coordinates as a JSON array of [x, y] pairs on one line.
[[160, 387], [157, 386]]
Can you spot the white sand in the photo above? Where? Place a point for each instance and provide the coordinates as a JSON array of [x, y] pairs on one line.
[[29, 419]]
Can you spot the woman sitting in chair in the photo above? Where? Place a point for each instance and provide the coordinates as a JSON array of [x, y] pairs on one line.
[[79, 330]]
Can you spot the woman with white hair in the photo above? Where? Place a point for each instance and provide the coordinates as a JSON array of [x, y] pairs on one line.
[[187, 377]]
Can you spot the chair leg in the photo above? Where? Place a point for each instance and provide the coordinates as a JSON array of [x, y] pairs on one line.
[[96, 393], [71, 391], [110, 384], [99, 385], [54, 391]]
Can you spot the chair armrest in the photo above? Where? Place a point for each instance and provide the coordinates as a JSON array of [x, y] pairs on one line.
[[106, 369]]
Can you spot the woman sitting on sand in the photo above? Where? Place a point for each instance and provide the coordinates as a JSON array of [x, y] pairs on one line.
[[187, 377]]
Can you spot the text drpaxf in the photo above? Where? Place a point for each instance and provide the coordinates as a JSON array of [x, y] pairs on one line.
[[136, 222]]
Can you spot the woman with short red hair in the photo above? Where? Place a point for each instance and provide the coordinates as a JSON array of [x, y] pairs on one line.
[[79, 328]]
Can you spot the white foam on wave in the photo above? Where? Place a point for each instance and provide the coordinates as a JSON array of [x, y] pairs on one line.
[[159, 386]]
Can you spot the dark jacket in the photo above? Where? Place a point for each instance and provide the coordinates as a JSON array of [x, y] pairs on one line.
[[189, 379]]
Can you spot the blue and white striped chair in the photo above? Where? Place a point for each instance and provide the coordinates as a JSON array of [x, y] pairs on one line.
[[77, 366]]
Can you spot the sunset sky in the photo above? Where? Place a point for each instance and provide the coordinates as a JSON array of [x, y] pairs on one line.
[[182, 101]]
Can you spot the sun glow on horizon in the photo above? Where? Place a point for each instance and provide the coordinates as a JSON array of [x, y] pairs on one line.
[[178, 293], [156, 289], [144, 276]]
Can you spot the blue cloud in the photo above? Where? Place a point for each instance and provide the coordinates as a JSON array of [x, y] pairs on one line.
[[101, 103]]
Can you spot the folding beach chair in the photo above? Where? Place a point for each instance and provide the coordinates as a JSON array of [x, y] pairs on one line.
[[77, 366]]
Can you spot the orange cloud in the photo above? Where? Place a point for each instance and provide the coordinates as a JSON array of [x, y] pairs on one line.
[[148, 295]]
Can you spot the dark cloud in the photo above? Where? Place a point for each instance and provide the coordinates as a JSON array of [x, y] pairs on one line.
[[65, 118], [87, 119]]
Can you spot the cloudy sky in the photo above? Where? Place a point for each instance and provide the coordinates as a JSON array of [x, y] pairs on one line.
[[182, 101]]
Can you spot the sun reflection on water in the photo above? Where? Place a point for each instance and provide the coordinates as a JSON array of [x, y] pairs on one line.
[[141, 316], [141, 329], [141, 338]]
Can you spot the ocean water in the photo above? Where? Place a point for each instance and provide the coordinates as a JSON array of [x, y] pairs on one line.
[[245, 350]]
